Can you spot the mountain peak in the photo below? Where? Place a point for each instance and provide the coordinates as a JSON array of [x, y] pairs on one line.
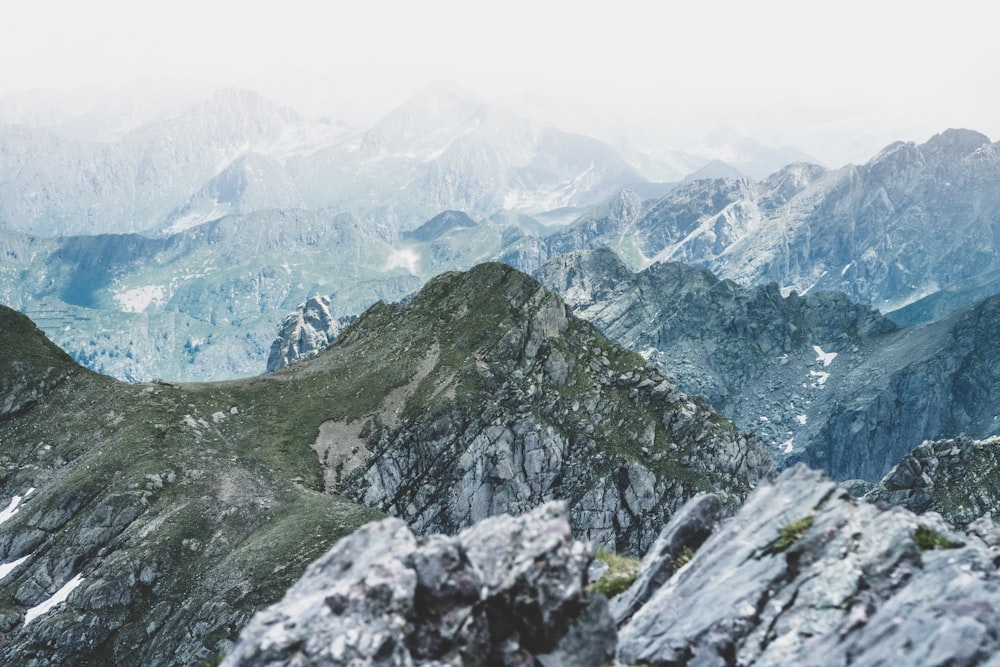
[[956, 142]]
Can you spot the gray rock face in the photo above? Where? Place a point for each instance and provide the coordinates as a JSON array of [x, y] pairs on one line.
[[806, 575], [851, 230], [305, 332], [958, 478], [505, 401], [818, 378], [508, 591]]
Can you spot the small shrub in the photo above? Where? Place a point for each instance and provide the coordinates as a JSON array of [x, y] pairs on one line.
[[682, 559], [791, 533], [928, 539]]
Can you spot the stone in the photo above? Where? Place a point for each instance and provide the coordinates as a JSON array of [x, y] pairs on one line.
[[507, 591]]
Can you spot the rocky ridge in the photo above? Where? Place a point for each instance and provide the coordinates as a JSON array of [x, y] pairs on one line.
[[820, 379], [805, 574], [146, 522], [498, 399], [913, 220]]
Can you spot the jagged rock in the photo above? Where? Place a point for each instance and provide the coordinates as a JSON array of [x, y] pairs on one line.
[[958, 478], [821, 380], [687, 531], [507, 591], [805, 574], [305, 332]]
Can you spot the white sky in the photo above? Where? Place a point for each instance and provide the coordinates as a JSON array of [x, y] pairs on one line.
[[787, 72]]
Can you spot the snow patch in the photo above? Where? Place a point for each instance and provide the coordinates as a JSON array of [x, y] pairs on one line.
[[15, 505], [404, 259], [802, 419], [138, 299], [218, 416], [820, 376], [7, 568], [826, 357], [57, 598], [196, 218], [195, 423], [786, 446], [846, 267]]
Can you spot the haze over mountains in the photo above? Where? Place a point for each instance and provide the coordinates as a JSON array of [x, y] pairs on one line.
[[695, 324], [233, 170]]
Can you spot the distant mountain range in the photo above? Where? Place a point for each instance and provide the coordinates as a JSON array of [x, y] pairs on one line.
[[820, 379]]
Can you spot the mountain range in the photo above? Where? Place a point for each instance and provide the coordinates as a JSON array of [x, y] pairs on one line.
[[163, 515]]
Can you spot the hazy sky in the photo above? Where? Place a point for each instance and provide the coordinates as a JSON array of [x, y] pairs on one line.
[[785, 72]]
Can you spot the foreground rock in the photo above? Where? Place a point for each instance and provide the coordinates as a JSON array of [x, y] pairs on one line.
[[508, 591], [805, 574]]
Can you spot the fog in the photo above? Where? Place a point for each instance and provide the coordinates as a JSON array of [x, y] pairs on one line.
[[835, 80]]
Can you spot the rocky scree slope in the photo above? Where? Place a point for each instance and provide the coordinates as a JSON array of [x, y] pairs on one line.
[[164, 515], [760, 358], [958, 478], [483, 394], [820, 379]]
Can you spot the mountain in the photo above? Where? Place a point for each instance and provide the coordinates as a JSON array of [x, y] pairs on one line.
[[168, 514], [441, 434], [445, 149], [52, 186], [147, 522], [200, 304], [914, 220], [820, 379]]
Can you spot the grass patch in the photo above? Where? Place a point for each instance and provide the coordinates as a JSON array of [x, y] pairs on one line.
[[791, 533], [622, 571], [681, 559], [928, 540]]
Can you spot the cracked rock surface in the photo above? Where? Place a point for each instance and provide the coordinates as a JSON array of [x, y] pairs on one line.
[[805, 574], [508, 591]]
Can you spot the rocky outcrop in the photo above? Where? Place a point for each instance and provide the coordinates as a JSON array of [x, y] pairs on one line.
[[818, 378], [501, 400], [959, 478], [760, 358], [805, 574], [508, 591], [305, 332]]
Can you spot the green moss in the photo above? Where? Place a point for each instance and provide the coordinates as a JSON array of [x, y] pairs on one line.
[[682, 559], [622, 571], [928, 539], [791, 533]]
